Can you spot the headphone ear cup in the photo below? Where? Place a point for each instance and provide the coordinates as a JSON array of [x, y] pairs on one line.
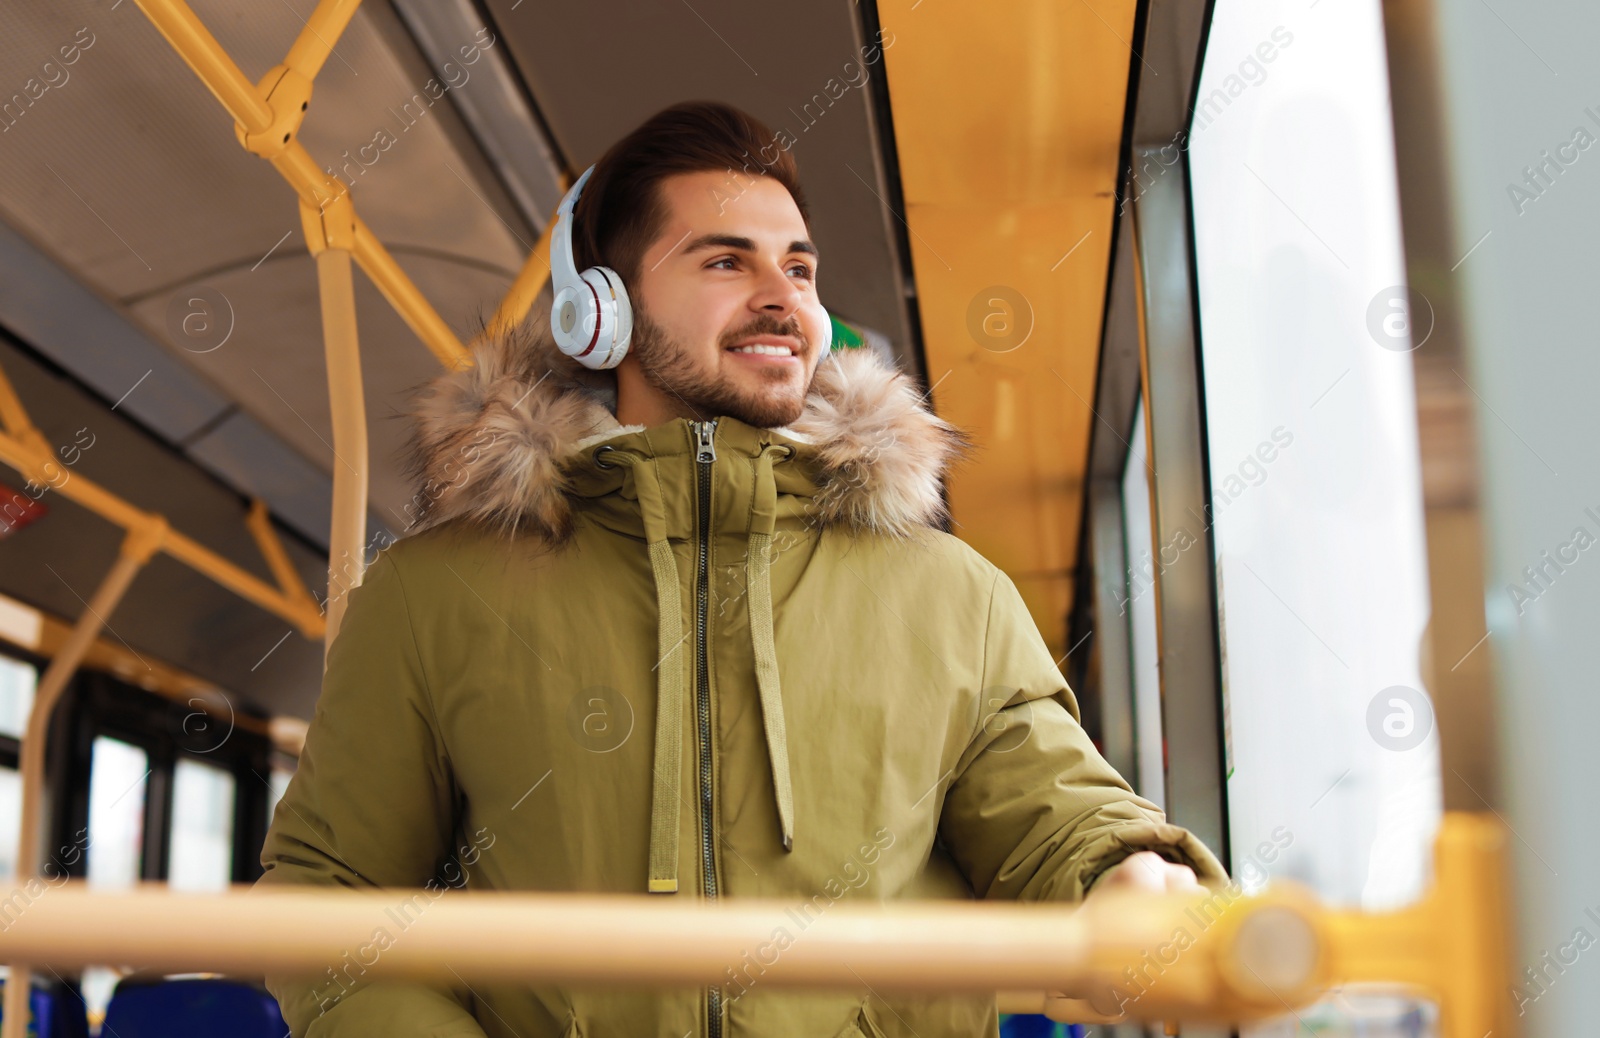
[[593, 320], [618, 307], [574, 318]]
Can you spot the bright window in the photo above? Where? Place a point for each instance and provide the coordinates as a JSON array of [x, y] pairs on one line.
[[10, 819], [117, 777], [17, 683], [202, 827], [1313, 451]]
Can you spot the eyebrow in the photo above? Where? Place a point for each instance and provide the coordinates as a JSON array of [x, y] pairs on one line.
[[734, 241]]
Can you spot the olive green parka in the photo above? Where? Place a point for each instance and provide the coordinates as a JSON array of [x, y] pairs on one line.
[[701, 659]]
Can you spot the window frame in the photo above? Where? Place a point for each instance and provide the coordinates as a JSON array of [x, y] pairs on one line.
[[1150, 348], [98, 704]]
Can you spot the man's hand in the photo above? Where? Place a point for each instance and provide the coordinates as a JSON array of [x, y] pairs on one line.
[[1147, 872], [1144, 872]]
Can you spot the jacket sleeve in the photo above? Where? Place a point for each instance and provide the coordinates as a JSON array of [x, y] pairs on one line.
[[1033, 812], [370, 805]]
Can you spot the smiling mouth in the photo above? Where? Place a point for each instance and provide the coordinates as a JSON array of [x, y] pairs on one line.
[[763, 349]]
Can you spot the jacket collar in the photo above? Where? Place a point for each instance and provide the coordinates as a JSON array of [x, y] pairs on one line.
[[504, 442]]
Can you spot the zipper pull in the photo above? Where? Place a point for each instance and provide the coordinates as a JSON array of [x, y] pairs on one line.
[[704, 449]]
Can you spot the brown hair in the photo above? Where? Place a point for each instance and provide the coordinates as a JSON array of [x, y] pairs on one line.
[[621, 213]]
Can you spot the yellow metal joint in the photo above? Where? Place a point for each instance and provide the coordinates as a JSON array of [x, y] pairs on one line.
[[1452, 945], [332, 225], [288, 94], [145, 537], [1252, 957]]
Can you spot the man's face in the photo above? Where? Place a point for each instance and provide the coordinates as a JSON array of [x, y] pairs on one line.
[[726, 316]]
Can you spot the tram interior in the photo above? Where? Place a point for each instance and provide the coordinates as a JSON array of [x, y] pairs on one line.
[[1150, 255]]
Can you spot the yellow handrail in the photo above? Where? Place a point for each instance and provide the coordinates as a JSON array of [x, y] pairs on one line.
[[303, 613], [254, 113], [1261, 958], [138, 545], [1218, 956]]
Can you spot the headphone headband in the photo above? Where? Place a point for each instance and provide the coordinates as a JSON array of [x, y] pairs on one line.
[[591, 316]]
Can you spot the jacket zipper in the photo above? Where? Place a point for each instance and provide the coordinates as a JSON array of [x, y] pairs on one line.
[[705, 454]]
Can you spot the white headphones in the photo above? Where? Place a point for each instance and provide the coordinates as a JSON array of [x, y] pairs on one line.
[[591, 316]]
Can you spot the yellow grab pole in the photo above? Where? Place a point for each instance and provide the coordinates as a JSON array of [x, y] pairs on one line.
[[259, 522], [407, 300], [530, 281], [322, 30], [140, 543], [304, 614], [195, 44], [1259, 959], [331, 233], [268, 117], [14, 417]]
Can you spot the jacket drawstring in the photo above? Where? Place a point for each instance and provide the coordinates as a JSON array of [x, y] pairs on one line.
[[763, 517], [665, 799], [664, 796]]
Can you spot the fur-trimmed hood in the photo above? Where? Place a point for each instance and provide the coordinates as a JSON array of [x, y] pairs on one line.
[[494, 443]]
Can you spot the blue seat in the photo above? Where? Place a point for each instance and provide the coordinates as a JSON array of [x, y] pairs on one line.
[[57, 1013], [1030, 1025], [1027, 1025], [193, 1008]]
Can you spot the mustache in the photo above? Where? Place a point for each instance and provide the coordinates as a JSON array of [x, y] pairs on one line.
[[766, 324]]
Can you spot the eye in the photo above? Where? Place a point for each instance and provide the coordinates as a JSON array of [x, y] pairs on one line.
[[803, 270], [716, 264]]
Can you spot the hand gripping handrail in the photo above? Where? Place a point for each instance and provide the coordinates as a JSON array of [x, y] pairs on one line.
[[1219, 957], [1255, 959]]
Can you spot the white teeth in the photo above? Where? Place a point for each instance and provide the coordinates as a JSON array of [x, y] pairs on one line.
[[763, 348]]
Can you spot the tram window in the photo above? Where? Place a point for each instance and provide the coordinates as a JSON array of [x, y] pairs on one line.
[[10, 819], [1139, 603], [17, 683], [118, 779], [201, 855], [1315, 483], [118, 773], [18, 680]]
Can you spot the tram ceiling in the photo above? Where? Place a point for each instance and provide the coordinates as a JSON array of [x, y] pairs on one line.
[[128, 177], [598, 69], [125, 178], [170, 613]]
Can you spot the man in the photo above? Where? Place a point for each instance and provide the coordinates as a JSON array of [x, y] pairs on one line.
[[690, 626]]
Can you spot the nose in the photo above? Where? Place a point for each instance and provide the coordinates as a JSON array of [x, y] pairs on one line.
[[776, 294]]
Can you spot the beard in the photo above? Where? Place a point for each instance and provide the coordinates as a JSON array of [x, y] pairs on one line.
[[704, 390]]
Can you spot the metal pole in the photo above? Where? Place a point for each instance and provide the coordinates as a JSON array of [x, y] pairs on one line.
[[330, 234], [1259, 955], [137, 547]]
